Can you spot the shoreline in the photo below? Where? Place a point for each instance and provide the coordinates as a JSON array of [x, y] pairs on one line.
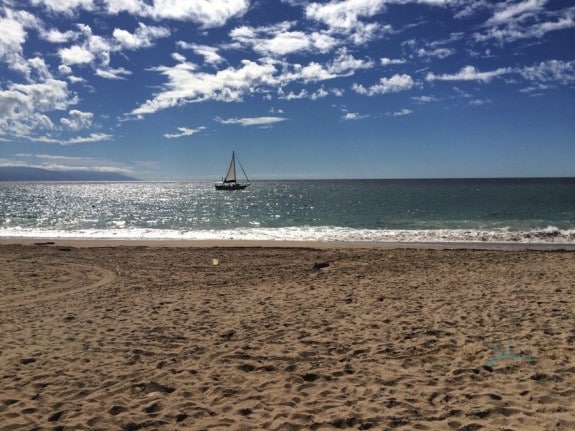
[[186, 243]]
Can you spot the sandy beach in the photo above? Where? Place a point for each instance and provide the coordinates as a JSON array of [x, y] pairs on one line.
[[129, 336]]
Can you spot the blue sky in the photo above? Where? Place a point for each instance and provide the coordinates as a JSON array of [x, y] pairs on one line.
[[166, 89]]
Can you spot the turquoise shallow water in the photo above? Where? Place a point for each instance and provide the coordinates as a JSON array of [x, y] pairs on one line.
[[516, 210]]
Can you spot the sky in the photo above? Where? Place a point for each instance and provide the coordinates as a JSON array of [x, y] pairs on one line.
[[167, 89]]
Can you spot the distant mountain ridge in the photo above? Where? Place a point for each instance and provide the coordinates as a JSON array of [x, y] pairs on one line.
[[36, 174]]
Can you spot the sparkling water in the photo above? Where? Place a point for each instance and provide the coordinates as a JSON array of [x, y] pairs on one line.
[[492, 210]]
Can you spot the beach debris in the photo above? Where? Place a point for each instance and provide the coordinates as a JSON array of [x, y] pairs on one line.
[[506, 355], [116, 410], [320, 265], [56, 416], [153, 387], [245, 412], [227, 334], [310, 377], [215, 262], [246, 367]]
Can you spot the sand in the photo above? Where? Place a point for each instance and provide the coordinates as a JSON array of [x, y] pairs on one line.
[[145, 337]]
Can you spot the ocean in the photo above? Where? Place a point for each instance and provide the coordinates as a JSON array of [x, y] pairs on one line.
[[452, 210]]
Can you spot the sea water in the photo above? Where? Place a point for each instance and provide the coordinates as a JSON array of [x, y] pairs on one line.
[[485, 210]]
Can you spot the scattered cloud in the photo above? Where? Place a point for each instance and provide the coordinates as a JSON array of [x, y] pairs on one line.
[[207, 13], [24, 107], [424, 99], [280, 39], [93, 137], [391, 61], [551, 71], [209, 53], [143, 37], [65, 163], [184, 131], [394, 84], [282, 61], [111, 73], [528, 19], [469, 73], [350, 116], [186, 85], [251, 121], [440, 53], [507, 11], [77, 120], [402, 112]]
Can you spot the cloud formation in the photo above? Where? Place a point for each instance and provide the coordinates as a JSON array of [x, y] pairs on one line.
[[184, 131], [60, 57], [251, 121]]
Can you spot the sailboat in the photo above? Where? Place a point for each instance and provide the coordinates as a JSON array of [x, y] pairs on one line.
[[229, 182]]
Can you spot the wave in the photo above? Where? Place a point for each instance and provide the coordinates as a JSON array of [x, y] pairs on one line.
[[550, 234]]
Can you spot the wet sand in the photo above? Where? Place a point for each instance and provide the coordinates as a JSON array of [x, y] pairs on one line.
[[130, 336]]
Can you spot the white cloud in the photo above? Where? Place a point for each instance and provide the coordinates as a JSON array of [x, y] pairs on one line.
[[13, 35], [280, 40], [513, 10], [56, 36], [111, 73], [251, 121], [143, 37], [391, 61], [93, 137], [548, 74], [346, 19], [77, 120], [386, 85], [23, 107], [95, 50], [343, 15], [59, 162], [178, 57], [402, 112], [528, 19], [207, 13], [344, 64], [66, 7], [210, 53], [480, 102], [469, 73], [313, 72], [351, 116], [470, 8], [185, 85], [76, 55], [304, 94], [424, 99], [440, 53], [184, 131]]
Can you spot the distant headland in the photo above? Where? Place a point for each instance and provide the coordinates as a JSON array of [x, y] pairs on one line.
[[36, 174]]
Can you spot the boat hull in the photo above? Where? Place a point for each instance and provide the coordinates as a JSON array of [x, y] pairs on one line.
[[231, 186]]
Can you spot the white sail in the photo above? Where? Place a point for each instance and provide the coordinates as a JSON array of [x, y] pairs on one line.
[[231, 175], [229, 182]]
